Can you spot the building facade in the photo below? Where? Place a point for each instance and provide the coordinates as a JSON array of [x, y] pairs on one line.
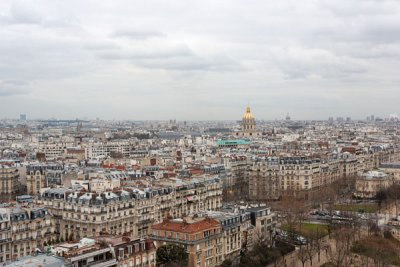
[[129, 210], [201, 237], [24, 230], [9, 183]]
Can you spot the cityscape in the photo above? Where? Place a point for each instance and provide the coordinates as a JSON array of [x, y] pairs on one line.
[[108, 193], [199, 133]]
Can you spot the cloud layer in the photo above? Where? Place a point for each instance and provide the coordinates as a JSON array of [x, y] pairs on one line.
[[199, 59]]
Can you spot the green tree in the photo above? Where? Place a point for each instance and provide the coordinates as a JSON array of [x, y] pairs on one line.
[[172, 255]]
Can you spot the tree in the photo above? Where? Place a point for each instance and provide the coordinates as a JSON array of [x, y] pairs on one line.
[[310, 251], [172, 255], [343, 239], [373, 228], [302, 254], [381, 196], [295, 213], [393, 194], [316, 238], [226, 263], [259, 238]]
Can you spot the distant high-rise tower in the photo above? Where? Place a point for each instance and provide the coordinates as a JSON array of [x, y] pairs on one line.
[[22, 117], [287, 117]]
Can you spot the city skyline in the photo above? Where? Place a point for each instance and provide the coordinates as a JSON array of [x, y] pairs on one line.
[[199, 60]]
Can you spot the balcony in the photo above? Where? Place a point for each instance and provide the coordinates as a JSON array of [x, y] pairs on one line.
[[176, 240], [104, 263]]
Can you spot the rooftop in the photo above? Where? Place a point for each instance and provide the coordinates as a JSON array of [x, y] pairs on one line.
[[183, 226], [38, 260]]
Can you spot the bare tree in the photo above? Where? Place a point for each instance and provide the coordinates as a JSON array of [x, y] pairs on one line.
[[393, 195], [343, 239], [302, 254], [295, 213], [373, 228], [316, 237], [310, 250]]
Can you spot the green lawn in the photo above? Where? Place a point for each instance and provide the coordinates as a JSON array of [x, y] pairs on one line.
[[308, 230], [368, 208]]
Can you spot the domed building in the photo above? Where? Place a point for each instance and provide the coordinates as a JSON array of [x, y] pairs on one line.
[[248, 125]]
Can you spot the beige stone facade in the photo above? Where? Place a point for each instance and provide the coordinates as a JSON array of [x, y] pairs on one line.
[[202, 239], [23, 230], [127, 210], [273, 177], [9, 182], [369, 183], [41, 176]]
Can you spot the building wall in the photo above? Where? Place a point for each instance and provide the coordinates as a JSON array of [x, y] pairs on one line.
[[76, 220], [22, 237], [9, 183]]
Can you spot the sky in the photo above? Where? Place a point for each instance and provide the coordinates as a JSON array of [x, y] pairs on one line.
[[199, 60]]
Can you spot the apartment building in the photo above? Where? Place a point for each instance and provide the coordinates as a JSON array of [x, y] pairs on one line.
[[264, 222], [54, 150], [40, 176], [392, 169], [201, 237], [265, 180], [237, 168], [98, 254], [235, 229], [9, 182], [272, 177], [106, 149], [128, 210], [131, 251], [369, 183], [24, 230]]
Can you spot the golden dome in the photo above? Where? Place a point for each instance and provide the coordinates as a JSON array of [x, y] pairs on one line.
[[248, 115]]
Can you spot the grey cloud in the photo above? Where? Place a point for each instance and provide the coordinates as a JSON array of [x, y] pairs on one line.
[[22, 12], [137, 34], [168, 52], [302, 63], [199, 48], [102, 46], [13, 87], [191, 64], [174, 58]]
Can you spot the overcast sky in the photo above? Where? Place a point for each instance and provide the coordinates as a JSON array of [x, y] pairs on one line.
[[199, 59]]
